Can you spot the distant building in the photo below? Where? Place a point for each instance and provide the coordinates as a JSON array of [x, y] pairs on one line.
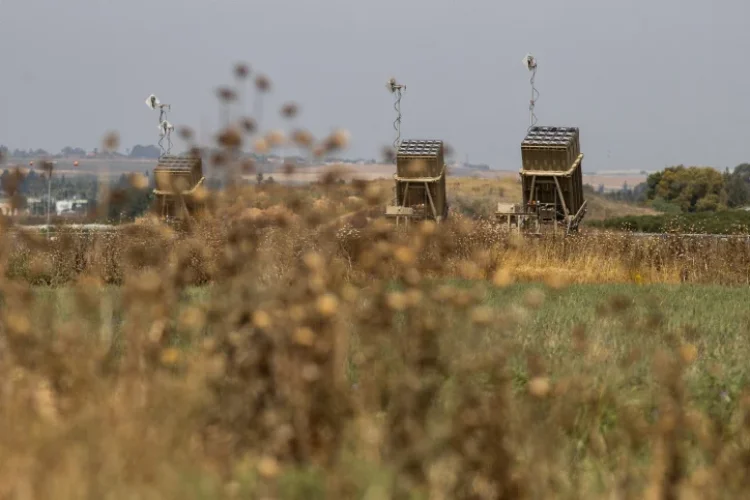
[[70, 207], [62, 208]]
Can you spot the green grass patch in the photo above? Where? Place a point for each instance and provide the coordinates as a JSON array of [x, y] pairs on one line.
[[621, 326], [618, 320]]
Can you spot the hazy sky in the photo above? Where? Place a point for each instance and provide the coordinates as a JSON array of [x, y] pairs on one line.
[[649, 83]]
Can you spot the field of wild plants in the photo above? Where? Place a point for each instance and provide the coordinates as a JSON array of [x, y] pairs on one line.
[[288, 343], [291, 345]]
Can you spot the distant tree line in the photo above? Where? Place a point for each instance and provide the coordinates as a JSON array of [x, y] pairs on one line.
[[136, 152], [34, 185], [682, 189]]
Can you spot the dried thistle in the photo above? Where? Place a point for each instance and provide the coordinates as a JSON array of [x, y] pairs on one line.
[[262, 83], [138, 181], [248, 125], [111, 141], [241, 71], [302, 138], [388, 154], [230, 138], [261, 146], [226, 94], [289, 110], [275, 138], [186, 133], [248, 166], [219, 158], [338, 140]]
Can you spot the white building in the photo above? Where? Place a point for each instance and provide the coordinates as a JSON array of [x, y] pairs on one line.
[[70, 207]]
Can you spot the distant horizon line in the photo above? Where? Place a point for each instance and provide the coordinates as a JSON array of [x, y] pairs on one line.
[[323, 163]]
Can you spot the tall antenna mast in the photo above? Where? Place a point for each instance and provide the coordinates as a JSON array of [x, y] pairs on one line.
[[530, 62], [396, 88], [165, 128]]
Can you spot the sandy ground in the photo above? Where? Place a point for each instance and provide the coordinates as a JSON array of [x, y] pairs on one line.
[[369, 172], [309, 174]]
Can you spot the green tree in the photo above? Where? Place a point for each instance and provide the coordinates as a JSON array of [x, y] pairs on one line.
[[738, 186], [692, 189]]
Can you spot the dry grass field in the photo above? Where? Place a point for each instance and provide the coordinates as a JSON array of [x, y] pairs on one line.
[[385, 171], [478, 197], [277, 350], [290, 344]]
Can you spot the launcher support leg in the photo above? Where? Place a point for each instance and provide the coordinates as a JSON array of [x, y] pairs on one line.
[[406, 200], [562, 198], [188, 216], [432, 204]]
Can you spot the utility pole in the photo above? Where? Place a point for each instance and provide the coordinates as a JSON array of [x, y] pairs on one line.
[[49, 198], [49, 194]]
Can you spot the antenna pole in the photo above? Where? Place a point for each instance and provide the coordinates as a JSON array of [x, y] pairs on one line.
[[396, 88], [166, 131], [531, 65], [49, 197], [397, 122], [165, 128]]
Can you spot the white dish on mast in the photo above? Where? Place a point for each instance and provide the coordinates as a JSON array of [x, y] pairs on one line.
[[165, 127], [529, 62], [153, 102]]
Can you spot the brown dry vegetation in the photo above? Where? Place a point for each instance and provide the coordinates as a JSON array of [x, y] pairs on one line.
[[291, 345], [338, 360], [478, 198]]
